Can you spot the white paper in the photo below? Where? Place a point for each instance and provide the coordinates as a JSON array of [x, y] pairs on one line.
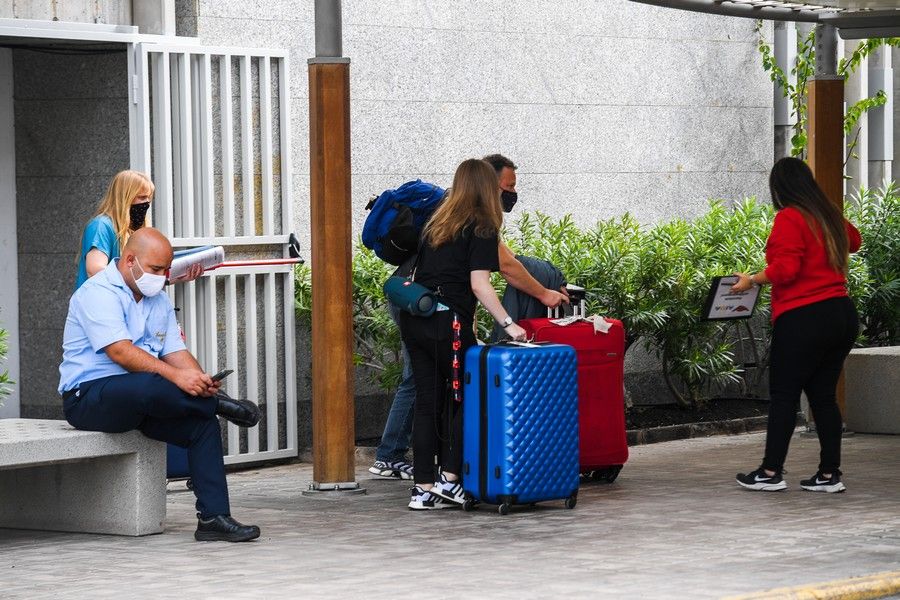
[[207, 258]]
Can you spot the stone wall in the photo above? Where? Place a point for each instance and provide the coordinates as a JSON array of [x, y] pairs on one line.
[[71, 124], [112, 12], [606, 106]]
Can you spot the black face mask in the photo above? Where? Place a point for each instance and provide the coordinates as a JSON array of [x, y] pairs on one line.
[[137, 212], [508, 199]]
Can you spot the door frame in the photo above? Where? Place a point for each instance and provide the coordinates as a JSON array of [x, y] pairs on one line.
[[9, 248]]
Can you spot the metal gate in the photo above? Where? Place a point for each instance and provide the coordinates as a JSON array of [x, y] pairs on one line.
[[211, 126]]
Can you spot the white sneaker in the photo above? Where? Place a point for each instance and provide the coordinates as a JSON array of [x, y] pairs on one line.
[[392, 470], [451, 491], [423, 500]]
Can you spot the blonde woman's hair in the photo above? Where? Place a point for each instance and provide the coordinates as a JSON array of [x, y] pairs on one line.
[[473, 200], [116, 204]]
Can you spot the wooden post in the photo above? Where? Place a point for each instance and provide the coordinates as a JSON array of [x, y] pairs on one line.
[[332, 314], [826, 129]]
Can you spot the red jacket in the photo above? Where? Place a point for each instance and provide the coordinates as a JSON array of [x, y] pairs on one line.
[[798, 264]]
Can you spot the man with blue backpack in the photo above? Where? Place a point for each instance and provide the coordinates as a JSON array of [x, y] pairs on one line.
[[392, 230]]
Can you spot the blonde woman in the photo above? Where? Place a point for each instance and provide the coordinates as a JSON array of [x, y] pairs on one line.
[[122, 211], [458, 253]]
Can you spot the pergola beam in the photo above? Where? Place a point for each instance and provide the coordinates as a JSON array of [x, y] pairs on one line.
[[851, 24]]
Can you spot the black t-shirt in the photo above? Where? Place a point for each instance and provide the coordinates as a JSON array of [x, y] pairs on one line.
[[446, 269]]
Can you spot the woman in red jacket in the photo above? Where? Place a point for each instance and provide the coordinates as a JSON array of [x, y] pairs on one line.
[[814, 322]]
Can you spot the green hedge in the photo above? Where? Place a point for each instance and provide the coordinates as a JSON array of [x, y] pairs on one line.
[[655, 279]]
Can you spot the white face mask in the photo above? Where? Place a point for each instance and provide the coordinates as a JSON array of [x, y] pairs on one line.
[[148, 284]]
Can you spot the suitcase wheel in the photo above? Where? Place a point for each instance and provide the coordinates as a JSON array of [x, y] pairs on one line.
[[571, 501], [503, 509], [189, 484], [610, 473], [606, 474], [469, 504]]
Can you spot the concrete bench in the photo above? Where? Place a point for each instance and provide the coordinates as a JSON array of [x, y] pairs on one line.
[[872, 390], [54, 477]]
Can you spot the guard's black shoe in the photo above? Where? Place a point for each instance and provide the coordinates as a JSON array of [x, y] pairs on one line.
[[242, 413], [222, 528]]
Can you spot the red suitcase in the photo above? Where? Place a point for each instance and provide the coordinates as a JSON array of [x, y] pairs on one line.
[[601, 404]]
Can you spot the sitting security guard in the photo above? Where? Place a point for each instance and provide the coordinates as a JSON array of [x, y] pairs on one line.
[[126, 367]]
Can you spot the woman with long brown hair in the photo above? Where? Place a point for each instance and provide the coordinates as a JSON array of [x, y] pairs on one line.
[[458, 252], [814, 322]]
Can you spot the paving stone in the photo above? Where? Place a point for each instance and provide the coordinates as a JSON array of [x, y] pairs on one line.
[[674, 525]]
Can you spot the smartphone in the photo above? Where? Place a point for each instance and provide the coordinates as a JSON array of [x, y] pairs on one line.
[[222, 374]]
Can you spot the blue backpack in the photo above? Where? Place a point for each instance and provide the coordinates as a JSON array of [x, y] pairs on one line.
[[397, 217]]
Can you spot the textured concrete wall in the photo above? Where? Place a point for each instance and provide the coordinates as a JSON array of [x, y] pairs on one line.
[[71, 124], [112, 12], [606, 106]]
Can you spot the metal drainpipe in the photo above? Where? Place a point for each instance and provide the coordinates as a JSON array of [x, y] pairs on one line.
[[826, 51], [328, 28]]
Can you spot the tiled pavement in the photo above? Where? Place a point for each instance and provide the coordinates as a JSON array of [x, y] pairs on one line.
[[675, 525]]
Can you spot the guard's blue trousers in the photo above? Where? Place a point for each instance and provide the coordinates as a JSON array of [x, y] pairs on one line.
[[160, 410]]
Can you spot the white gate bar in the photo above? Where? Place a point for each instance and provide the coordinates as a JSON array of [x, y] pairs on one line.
[[251, 340], [162, 144], [227, 158], [190, 310], [246, 100], [290, 366], [187, 242], [260, 456], [257, 270], [265, 128], [212, 326], [187, 145], [205, 126], [139, 110], [271, 355], [191, 48], [284, 95], [177, 131], [231, 345]]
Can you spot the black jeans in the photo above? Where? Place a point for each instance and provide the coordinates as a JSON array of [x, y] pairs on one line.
[[161, 411], [437, 419], [809, 345]]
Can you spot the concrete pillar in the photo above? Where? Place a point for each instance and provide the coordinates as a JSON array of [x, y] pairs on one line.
[[881, 119], [334, 439], [9, 249], [855, 89], [154, 16], [784, 47], [895, 59]]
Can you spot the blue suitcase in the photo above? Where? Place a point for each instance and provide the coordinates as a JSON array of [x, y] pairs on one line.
[[520, 424]]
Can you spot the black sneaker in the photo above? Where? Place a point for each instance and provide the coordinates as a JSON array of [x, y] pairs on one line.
[[758, 480], [818, 483]]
